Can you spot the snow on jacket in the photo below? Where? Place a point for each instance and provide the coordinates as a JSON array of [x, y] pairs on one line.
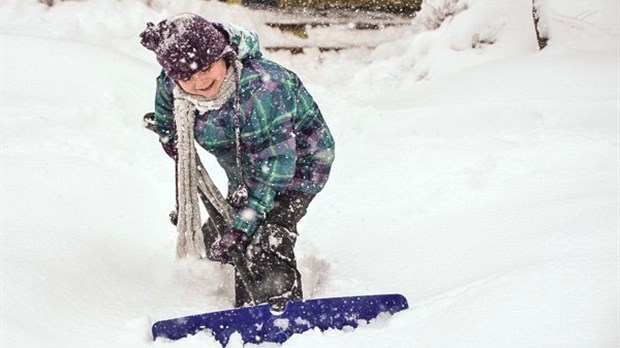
[[285, 142]]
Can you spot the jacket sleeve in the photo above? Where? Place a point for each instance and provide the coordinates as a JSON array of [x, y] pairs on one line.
[[164, 114], [272, 152]]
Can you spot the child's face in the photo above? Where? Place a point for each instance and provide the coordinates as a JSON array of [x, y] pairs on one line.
[[206, 82]]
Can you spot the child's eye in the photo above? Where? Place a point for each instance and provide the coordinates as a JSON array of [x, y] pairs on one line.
[[207, 68]]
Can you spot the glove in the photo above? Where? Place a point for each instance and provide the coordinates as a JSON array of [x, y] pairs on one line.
[[170, 149], [174, 217], [231, 241]]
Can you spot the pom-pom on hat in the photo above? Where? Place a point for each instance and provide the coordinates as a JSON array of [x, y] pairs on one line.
[[184, 44]]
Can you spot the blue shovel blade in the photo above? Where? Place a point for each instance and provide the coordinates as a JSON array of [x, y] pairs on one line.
[[259, 324]]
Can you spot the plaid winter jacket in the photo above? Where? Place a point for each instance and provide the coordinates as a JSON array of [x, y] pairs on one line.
[[285, 142]]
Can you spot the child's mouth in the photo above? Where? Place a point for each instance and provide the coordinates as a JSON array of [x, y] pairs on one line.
[[207, 88]]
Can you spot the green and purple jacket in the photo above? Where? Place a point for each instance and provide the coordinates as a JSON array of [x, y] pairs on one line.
[[285, 142]]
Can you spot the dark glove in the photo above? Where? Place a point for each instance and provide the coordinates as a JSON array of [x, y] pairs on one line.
[[174, 217], [232, 241], [170, 149]]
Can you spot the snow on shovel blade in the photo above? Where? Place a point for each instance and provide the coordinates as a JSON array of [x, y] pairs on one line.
[[258, 324]]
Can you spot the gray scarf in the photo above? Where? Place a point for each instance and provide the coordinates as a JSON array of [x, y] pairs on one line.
[[190, 241]]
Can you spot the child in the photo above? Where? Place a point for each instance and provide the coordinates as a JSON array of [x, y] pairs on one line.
[[267, 133]]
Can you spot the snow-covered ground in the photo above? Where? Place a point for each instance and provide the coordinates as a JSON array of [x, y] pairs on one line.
[[474, 174]]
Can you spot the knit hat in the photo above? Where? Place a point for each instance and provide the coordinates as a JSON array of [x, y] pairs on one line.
[[184, 44]]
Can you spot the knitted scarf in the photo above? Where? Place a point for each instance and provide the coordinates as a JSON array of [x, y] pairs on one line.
[[190, 240]]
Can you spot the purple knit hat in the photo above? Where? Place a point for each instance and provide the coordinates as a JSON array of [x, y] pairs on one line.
[[184, 44]]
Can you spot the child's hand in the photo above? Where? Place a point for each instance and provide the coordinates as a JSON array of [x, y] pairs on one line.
[[231, 241], [170, 149]]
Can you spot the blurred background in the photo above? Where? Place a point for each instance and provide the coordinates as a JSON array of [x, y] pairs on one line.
[[393, 6]]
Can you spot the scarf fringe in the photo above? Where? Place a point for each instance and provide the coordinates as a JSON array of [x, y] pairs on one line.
[[190, 240]]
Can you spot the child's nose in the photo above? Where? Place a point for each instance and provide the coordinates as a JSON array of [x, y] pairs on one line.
[[202, 80]]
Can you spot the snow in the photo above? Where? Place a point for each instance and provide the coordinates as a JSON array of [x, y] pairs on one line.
[[479, 180]]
